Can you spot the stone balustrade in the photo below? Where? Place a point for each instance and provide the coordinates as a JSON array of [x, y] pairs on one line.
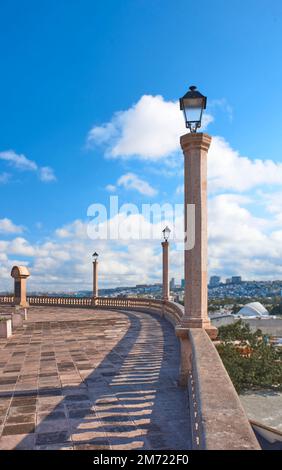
[[171, 310], [6, 299], [218, 419], [60, 301]]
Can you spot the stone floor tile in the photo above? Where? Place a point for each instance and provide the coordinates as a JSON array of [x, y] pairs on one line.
[[55, 437], [95, 445], [20, 418], [17, 441], [47, 426], [23, 428], [108, 381]]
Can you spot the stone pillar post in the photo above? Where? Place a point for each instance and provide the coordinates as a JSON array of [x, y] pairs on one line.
[[95, 279], [195, 147], [166, 293], [20, 274]]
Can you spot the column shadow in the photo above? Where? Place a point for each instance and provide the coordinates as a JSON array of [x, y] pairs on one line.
[[130, 401]]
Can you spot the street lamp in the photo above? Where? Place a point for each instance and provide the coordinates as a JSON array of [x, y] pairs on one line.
[[192, 104], [195, 146], [165, 245], [95, 276], [166, 232]]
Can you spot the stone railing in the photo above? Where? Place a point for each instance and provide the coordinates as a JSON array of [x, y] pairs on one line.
[[60, 301], [171, 310], [129, 302], [218, 419], [6, 299]]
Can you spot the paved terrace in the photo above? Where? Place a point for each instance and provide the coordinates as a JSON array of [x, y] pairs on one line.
[[84, 379]]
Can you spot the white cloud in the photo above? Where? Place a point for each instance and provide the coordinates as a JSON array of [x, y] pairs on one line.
[[111, 188], [132, 181], [76, 229], [46, 174], [150, 129], [223, 105], [4, 177], [228, 170], [7, 226], [18, 161], [20, 246], [21, 162], [239, 243]]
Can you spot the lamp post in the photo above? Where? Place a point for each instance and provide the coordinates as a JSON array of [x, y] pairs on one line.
[[195, 147], [165, 244], [95, 275]]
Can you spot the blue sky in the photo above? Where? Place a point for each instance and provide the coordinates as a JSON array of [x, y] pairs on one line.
[[67, 67]]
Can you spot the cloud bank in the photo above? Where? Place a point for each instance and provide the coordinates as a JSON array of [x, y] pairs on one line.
[[22, 163]]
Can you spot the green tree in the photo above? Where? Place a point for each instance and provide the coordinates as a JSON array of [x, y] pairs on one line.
[[276, 309], [262, 368]]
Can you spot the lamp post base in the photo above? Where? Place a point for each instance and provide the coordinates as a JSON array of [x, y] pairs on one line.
[[22, 304]]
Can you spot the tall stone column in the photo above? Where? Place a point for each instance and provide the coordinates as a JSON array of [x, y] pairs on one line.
[[195, 147], [166, 293], [95, 279], [20, 274]]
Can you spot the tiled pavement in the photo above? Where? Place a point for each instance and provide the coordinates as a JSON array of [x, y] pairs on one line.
[[84, 379]]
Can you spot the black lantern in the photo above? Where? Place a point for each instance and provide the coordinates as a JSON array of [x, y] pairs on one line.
[[192, 104], [166, 232], [95, 256]]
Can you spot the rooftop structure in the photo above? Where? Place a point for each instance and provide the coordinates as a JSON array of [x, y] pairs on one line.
[[253, 309]]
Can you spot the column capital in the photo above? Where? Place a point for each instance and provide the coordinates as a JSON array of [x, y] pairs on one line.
[[165, 243], [20, 272], [195, 140]]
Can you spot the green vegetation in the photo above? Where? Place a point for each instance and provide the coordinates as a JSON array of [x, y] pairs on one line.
[[249, 359], [276, 309]]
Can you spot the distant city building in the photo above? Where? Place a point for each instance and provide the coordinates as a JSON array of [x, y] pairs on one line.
[[236, 279], [172, 283], [183, 284], [214, 281], [228, 280]]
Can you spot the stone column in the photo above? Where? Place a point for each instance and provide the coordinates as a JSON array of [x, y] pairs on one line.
[[95, 279], [20, 274], [195, 148], [166, 294]]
